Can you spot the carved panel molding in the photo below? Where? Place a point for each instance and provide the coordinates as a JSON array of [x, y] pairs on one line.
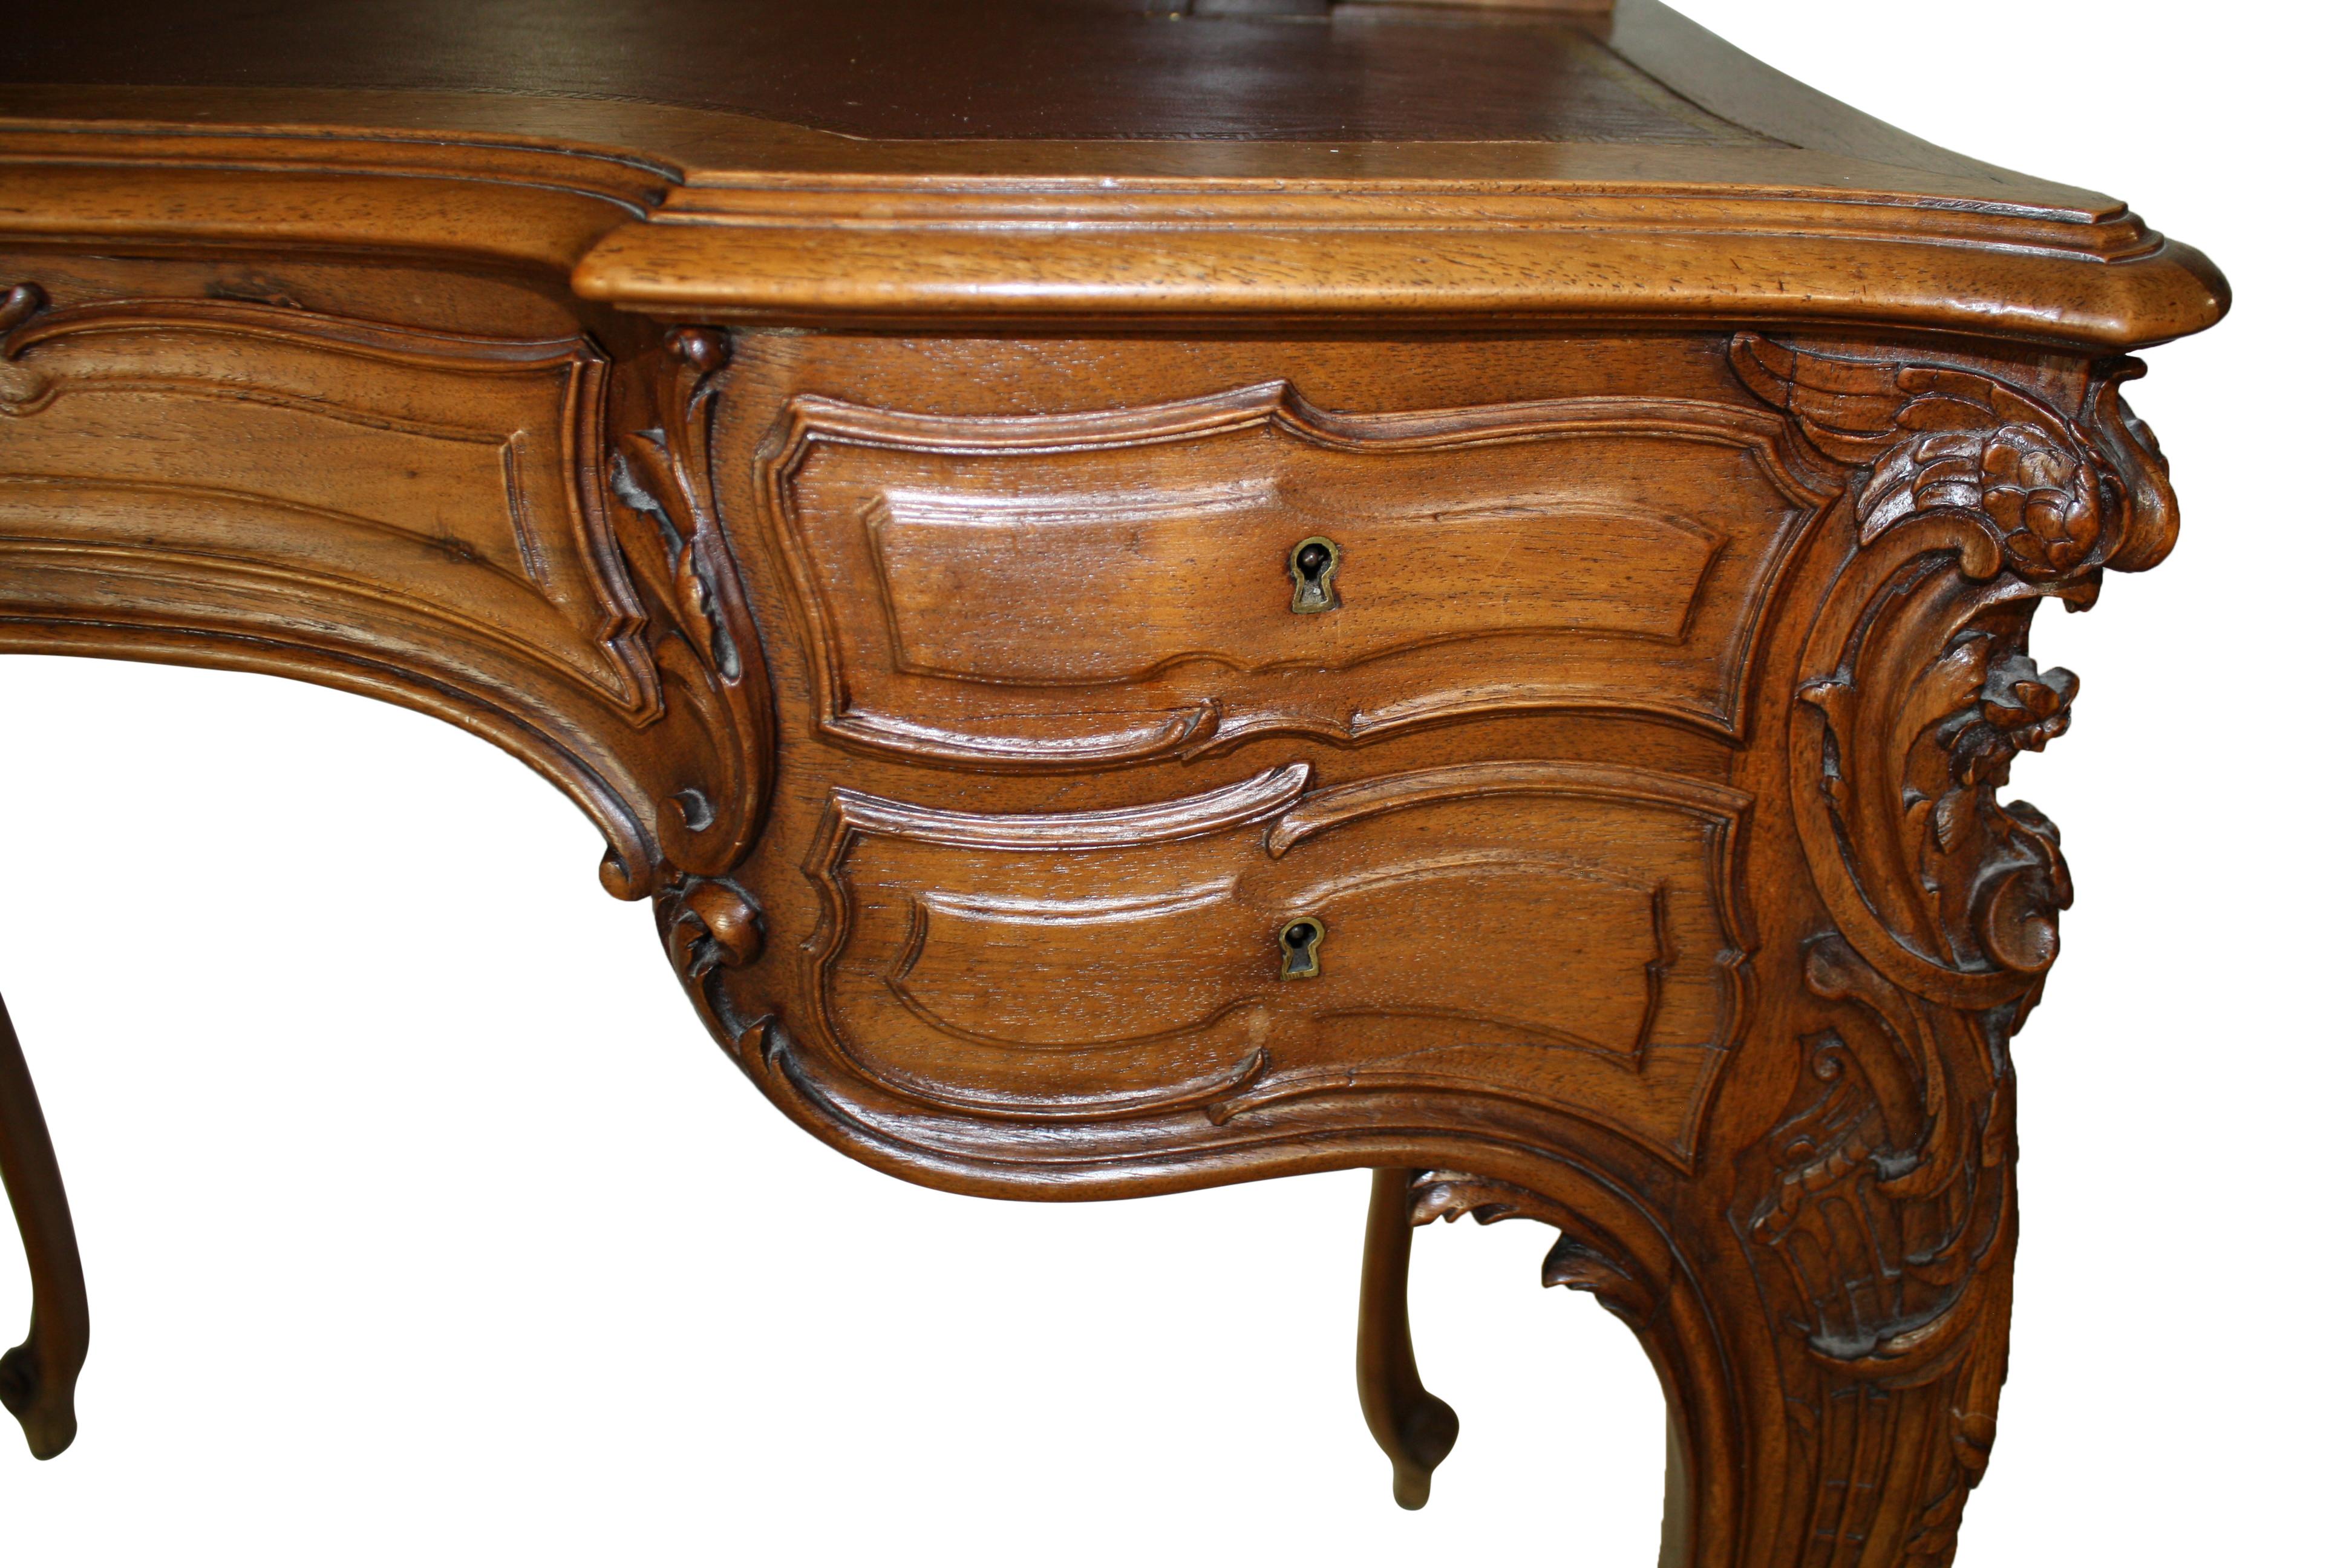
[[1475, 938], [1135, 664], [473, 447], [1480, 951], [1091, 589], [433, 518]]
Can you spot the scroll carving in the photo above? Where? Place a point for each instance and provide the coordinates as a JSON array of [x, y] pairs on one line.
[[457, 548], [712, 928], [709, 652], [1976, 501], [1581, 1260], [20, 301], [1881, 1220], [1885, 1236]]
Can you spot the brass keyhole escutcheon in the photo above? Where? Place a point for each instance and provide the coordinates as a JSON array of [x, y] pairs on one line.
[[1302, 942], [1314, 563]]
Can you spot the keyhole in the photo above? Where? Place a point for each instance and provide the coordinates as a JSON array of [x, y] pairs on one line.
[[1302, 940], [1314, 563]]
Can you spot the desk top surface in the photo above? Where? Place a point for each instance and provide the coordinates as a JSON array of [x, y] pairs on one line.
[[915, 69], [734, 131]]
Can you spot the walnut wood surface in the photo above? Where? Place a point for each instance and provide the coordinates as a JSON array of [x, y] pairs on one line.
[[36, 1378], [1414, 1427], [1076, 163], [915, 70], [1612, 837]]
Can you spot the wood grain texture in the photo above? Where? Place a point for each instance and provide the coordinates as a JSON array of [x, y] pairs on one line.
[[916, 69], [1062, 163], [1815, 1245], [1068, 591], [1414, 1427], [1137, 631], [421, 516], [1474, 932]]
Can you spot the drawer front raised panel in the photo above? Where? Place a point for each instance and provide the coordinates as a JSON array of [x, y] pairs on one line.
[[1566, 928], [1079, 590], [335, 479]]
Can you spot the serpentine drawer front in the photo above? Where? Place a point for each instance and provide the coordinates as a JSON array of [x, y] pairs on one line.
[[1117, 585], [1179, 597], [1565, 927]]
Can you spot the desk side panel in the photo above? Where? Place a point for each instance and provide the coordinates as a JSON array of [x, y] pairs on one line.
[[438, 515]]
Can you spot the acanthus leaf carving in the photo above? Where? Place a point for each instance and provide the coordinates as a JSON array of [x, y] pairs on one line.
[[1881, 1224], [708, 648], [1883, 1232], [2057, 495], [1972, 501], [1581, 1260], [1891, 1185], [712, 928]]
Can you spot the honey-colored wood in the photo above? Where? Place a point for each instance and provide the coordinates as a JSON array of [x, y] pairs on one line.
[[1201, 622], [1119, 584]]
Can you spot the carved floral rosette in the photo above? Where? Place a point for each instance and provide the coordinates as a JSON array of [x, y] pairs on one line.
[[1881, 1220]]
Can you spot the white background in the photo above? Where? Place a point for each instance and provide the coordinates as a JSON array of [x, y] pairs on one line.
[[423, 1223]]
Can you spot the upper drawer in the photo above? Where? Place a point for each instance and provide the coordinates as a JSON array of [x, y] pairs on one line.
[[1073, 590]]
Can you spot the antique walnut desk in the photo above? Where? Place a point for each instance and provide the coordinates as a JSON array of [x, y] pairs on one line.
[[1160, 595]]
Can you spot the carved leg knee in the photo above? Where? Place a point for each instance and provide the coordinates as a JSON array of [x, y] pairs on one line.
[[36, 1378], [1413, 1427], [1833, 1376]]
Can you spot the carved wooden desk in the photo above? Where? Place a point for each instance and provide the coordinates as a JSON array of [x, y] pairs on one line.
[[1161, 599]]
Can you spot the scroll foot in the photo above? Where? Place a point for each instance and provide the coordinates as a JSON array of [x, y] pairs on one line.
[[1414, 1427], [36, 1378]]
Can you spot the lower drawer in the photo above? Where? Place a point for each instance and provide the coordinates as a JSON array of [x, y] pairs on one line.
[[1556, 932]]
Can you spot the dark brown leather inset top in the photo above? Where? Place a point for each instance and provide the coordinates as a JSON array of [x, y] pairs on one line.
[[1060, 69]]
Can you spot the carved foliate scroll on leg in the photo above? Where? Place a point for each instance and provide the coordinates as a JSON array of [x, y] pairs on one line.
[[1881, 1218], [1883, 1231], [1674, 1315], [705, 643]]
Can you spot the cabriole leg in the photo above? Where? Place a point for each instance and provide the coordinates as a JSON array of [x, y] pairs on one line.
[[36, 1378], [1830, 1396], [1413, 1427]]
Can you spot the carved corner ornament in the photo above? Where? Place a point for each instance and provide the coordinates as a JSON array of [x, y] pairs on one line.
[[583, 611], [661, 474], [711, 927], [1974, 502], [1581, 1260], [708, 653], [1880, 1220]]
